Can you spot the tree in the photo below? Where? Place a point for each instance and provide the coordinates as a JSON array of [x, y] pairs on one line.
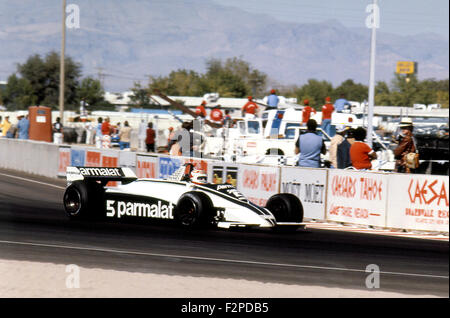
[[352, 91], [315, 91], [140, 96], [39, 81], [90, 90]]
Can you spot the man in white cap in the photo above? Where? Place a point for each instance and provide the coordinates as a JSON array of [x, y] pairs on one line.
[[405, 146]]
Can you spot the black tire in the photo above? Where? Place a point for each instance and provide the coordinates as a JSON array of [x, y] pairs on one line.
[[194, 210], [286, 207], [83, 200]]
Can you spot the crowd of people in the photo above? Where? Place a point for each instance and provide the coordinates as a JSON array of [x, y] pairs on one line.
[[347, 147]]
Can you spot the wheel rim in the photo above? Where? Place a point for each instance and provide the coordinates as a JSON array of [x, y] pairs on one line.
[[187, 213], [72, 201]]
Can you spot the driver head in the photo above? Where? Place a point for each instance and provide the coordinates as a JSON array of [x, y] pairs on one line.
[[199, 177]]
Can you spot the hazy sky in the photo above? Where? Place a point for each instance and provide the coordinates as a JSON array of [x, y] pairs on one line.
[[403, 17]]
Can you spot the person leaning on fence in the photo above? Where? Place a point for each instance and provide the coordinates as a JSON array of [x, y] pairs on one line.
[[343, 150], [310, 145], [125, 136], [58, 131], [23, 127], [150, 138], [335, 142], [406, 146], [360, 153]]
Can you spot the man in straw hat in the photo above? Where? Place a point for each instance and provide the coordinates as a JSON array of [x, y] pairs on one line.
[[405, 146]]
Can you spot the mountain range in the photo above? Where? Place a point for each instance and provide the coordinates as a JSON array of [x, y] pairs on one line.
[[124, 41]]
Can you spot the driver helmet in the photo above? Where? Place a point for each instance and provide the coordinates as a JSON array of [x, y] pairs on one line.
[[199, 177]]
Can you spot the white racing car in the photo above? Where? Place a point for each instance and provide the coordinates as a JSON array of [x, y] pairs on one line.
[[184, 198]]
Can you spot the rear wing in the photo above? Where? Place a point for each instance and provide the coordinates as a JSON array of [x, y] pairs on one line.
[[102, 174]]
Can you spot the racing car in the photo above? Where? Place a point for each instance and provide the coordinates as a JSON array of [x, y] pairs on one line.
[[184, 198]]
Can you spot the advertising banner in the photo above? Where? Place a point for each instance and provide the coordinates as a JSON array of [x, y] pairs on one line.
[[77, 157], [93, 158], [418, 202], [309, 185], [258, 183], [168, 165], [63, 160], [127, 159], [147, 166], [110, 158], [357, 197]]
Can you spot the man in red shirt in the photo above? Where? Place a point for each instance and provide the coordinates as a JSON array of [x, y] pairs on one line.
[[200, 110], [327, 111], [306, 113], [216, 114], [361, 154], [250, 107]]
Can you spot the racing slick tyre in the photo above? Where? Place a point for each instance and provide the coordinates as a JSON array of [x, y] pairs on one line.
[[286, 207], [83, 200], [194, 210]]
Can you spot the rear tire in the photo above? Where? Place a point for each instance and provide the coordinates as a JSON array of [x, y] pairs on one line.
[[83, 200], [194, 210]]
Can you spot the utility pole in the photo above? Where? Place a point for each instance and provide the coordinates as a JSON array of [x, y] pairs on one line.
[[61, 68], [375, 21]]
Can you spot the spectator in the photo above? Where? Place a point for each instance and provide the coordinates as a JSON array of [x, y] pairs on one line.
[[343, 150], [98, 133], [125, 136], [58, 131], [1, 125], [272, 100], [306, 112], [200, 110], [361, 154], [327, 111], [23, 126], [405, 146], [142, 135], [150, 138], [216, 114], [335, 142], [310, 146], [227, 120], [250, 108], [341, 104], [5, 125], [106, 134]]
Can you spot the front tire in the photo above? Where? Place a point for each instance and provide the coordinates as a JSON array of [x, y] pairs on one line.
[[286, 207], [194, 210]]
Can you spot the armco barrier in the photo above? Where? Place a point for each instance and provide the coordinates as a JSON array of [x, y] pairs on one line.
[[411, 202]]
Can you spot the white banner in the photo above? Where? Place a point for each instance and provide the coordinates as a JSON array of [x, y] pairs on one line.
[[127, 159], [309, 185], [357, 197], [258, 183], [418, 202]]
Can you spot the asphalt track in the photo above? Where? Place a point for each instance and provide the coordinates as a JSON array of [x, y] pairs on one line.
[[33, 227]]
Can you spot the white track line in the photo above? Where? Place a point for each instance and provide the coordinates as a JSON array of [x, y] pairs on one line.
[[31, 180], [213, 259]]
